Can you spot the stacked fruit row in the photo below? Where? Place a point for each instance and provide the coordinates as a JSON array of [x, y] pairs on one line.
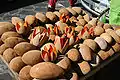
[[64, 44]]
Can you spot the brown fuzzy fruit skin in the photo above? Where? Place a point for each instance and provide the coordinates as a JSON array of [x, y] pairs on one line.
[[57, 13], [106, 37], [73, 19], [85, 67], [91, 43], [88, 26], [107, 26], [100, 24], [101, 42], [74, 13], [116, 47], [3, 47], [9, 34], [46, 70], [86, 35], [78, 28], [4, 29], [82, 22], [24, 73], [115, 27], [86, 18], [114, 35], [110, 51], [12, 41], [103, 55], [41, 17], [108, 30], [80, 17], [98, 31], [30, 19], [7, 25], [61, 26], [32, 57], [64, 63], [84, 12], [16, 64], [73, 55], [77, 9], [51, 16], [23, 47], [118, 32], [9, 54], [85, 52], [93, 22], [16, 20], [64, 10]]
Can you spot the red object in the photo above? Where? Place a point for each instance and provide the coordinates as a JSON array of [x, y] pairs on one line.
[[64, 18], [17, 26], [83, 30], [34, 33], [72, 2], [91, 31], [62, 42], [52, 3]]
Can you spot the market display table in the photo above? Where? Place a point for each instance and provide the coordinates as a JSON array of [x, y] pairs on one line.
[[7, 74], [31, 10]]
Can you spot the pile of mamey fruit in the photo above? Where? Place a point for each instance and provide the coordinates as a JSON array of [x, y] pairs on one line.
[[64, 44]]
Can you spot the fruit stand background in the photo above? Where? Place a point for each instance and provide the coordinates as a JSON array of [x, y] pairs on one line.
[[22, 8]]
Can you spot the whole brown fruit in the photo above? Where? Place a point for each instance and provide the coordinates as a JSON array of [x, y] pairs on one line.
[[74, 13], [86, 18], [64, 10], [85, 52], [82, 22], [98, 31], [3, 47], [91, 43], [16, 64], [52, 17], [107, 37], [30, 19], [77, 9], [100, 24], [23, 47], [57, 13], [41, 17], [46, 70], [73, 55], [32, 57], [9, 54], [107, 26], [64, 63], [12, 41], [25, 73], [9, 34]]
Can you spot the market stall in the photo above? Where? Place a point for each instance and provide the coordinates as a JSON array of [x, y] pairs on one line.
[[65, 44]]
